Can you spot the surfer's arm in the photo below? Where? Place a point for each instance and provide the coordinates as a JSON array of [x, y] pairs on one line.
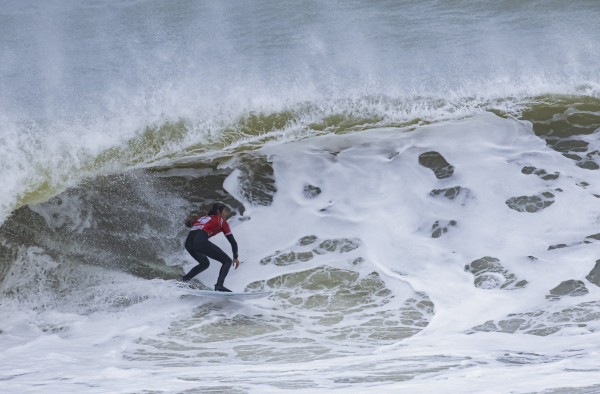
[[234, 245], [234, 249]]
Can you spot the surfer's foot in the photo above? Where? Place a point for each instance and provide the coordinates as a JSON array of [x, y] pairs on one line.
[[222, 288]]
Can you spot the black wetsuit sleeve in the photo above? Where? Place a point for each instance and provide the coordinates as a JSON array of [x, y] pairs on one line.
[[234, 246]]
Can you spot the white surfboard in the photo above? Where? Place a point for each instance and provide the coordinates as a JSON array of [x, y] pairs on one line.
[[227, 295]]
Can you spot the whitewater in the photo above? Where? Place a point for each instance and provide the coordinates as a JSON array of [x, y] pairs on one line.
[[417, 183]]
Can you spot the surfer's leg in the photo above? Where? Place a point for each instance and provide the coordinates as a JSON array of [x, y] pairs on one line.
[[192, 246], [222, 274], [214, 252], [202, 265]]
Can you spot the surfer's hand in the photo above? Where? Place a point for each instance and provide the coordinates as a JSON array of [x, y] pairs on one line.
[[236, 263]]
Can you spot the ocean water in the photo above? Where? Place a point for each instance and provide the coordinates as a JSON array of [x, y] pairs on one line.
[[418, 184]]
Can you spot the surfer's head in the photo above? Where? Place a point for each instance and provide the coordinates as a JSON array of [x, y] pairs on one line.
[[219, 209]]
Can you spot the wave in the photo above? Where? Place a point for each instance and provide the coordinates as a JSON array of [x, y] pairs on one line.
[[170, 161], [41, 161], [91, 213]]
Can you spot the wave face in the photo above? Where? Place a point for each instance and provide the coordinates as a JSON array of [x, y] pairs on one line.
[[418, 184]]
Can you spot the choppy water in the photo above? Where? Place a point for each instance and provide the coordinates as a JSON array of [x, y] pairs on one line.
[[418, 184]]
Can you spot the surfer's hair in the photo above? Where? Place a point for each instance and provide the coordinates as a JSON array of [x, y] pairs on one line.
[[216, 208]]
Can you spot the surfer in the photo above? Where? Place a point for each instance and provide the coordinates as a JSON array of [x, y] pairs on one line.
[[198, 245]]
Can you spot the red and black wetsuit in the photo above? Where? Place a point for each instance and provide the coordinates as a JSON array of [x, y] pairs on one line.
[[198, 245]]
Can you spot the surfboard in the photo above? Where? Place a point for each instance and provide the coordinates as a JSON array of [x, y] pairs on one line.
[[229, 296]]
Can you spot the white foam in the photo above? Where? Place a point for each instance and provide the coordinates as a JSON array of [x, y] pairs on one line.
[[386, 204]]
